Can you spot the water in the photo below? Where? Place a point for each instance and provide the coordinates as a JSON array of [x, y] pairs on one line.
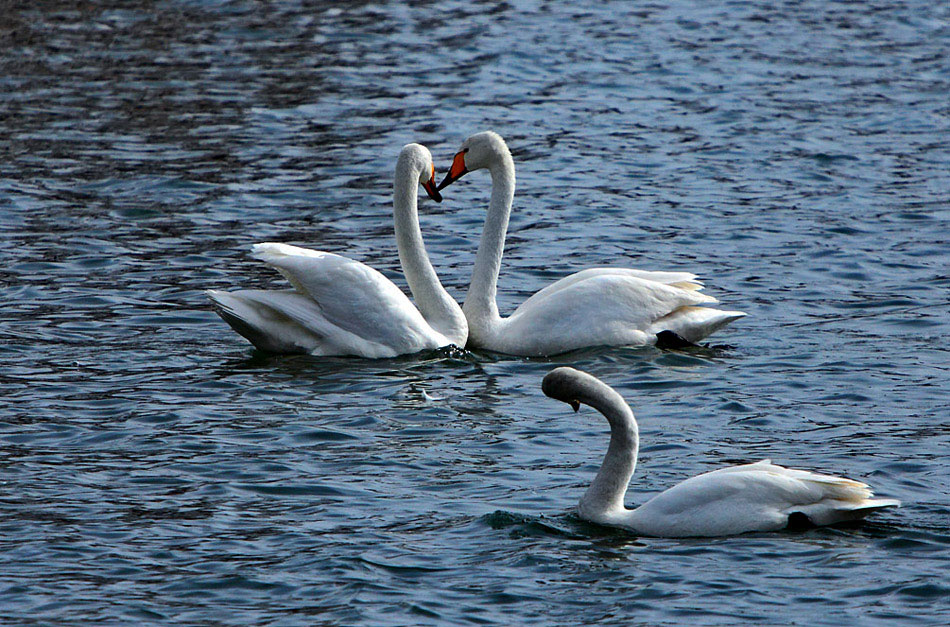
[[156, 468]]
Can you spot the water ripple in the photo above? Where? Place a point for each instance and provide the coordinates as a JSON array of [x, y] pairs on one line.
[[157, 469]]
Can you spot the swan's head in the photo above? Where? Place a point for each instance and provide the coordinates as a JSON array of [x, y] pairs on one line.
[[575, 387], [568, 385], [418, 158], [479, 151]]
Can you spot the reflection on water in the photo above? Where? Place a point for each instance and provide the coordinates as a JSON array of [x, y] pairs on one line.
[[157, 468]]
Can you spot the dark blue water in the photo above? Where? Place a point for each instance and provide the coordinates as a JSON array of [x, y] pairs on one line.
[[155, 468]]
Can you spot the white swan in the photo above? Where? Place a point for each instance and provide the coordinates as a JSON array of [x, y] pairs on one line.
[[595, 307], [343, 307], [737, 499]]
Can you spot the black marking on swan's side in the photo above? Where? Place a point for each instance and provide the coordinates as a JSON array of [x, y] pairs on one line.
[[798, 521], [669, 339]]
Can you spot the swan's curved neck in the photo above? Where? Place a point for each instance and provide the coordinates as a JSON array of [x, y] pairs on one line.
[[480, 305], [438, 308], [604, 497]]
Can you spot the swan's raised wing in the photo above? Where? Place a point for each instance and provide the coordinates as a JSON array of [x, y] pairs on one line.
[[351, 297], [753, 497]]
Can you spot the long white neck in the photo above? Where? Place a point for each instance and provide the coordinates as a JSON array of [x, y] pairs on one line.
[[480, 306], [604, 497], [438, 308]]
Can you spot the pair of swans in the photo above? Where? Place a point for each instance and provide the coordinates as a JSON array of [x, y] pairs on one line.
[[732, 500], [343, 307]]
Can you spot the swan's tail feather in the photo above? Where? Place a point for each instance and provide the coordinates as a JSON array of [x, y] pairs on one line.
[[695, 323], [872, 505], [266, 328], [830, 512], [835, 499]]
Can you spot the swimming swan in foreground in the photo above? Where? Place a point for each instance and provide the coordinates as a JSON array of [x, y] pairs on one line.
[[343, 307], [736, 499], [594, 307]]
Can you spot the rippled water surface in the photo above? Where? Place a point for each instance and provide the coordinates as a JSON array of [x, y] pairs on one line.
[[156, 468]]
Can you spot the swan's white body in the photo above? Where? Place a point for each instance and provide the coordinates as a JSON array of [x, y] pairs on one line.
[[343, 307], [595, 307], [733, 500]]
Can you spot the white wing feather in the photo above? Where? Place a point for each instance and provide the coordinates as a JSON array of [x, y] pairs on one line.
[[682, 280], [345, 307]]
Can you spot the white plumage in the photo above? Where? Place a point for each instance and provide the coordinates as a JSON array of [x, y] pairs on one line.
[[343, 307], [738, 499], [594, 307]]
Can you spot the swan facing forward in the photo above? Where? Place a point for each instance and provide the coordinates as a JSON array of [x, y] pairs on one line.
[[343, 307], [594, 307], [732, 500]]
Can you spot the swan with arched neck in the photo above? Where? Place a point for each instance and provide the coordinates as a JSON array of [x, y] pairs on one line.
[[339, 306], [737, 499], [594, 307]]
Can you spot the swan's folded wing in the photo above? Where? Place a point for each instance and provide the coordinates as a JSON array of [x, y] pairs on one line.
[[682, 280], [621, 300], [351, 295], [756, 497]]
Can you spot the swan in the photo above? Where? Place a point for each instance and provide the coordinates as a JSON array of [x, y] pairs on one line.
[[343, 307], [594, 307], [732, 500]]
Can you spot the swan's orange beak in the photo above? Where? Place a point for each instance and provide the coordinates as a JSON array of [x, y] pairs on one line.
[[457, 171], [430, 188]]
